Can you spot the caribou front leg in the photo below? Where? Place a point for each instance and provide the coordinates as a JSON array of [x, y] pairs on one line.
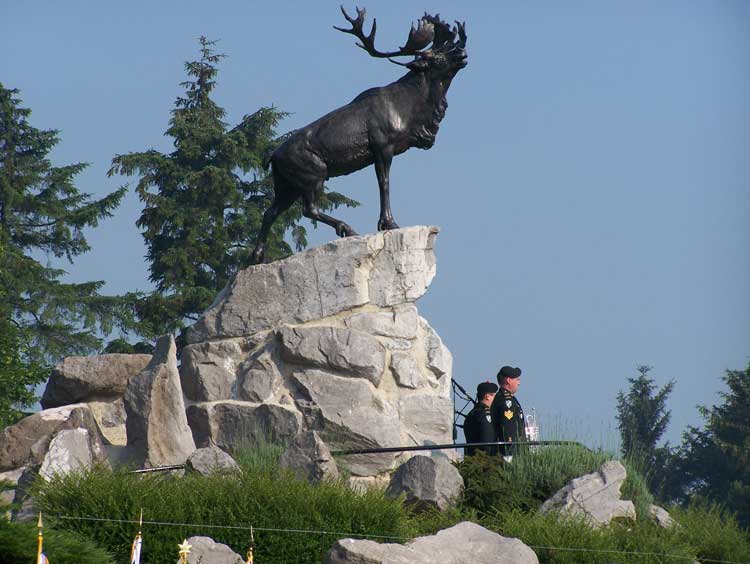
[[383, 171]]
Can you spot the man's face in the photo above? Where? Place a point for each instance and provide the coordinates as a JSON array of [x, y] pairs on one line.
[[512, 384], [487, 399]]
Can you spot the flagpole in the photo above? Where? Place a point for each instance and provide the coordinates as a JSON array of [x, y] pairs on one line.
[[39, 537], [250, 548]]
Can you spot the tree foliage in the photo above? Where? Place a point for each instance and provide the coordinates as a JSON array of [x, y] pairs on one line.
[[643, 418], [42, 212], [642, 415], [204, 202], [713, 463]]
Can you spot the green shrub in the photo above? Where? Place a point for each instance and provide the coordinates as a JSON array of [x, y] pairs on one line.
[[18, 544], [263, 496], [713, 532], [558, 540], [535, 476]]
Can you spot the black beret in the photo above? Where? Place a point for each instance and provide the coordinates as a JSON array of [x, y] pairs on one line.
[[509, 372], [486, 388]]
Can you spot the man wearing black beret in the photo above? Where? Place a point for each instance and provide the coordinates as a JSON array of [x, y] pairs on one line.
[[506, 412], [478, 423]]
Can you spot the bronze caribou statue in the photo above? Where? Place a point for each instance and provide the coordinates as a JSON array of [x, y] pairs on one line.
[[378, 124]]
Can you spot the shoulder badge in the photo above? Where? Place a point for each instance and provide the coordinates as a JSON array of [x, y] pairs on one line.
[[508, 403], [508, 415], [489, 418]]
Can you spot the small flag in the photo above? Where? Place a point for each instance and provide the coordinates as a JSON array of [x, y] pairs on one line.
[[135, 551], [41, 558]]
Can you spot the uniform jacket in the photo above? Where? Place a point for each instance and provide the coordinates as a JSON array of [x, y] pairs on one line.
[[478, 429], [507, 420]]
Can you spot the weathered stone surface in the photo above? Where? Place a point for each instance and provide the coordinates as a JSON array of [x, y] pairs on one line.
[[427, 482], [207, 370], [234, 424], [211, 460], [259, 378], [406, 370], [401, 322], [660, 516], [386, 269], [27, 442], [346, 413], [110, 416], [426, 419], [204, 550], [595, 496], [439, 358], [157, 429], [310, 458], [345, 350], [69, 450], [80, 378], [462, 543]]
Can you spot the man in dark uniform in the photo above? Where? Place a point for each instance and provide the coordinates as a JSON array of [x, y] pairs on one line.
[[506, 412], [478, 424]]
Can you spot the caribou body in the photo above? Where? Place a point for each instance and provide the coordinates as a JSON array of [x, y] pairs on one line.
[[378, 124]]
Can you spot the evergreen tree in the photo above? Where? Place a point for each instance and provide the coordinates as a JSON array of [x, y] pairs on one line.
[[204, 202], [642, 418], [41, 211], [642, 415], [714, 463]]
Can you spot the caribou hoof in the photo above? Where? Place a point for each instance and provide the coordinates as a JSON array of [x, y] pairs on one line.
[[386, 225], [343, 230]]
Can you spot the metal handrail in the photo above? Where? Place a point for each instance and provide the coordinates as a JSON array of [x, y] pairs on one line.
[[453, 445]]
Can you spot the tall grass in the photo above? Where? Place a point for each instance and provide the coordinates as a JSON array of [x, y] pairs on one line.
[[263, 496]]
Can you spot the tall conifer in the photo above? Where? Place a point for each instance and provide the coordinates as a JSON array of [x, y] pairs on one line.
[[42, 213]]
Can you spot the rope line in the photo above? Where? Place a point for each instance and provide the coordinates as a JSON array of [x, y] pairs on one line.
[[245, 528], [390, 537]]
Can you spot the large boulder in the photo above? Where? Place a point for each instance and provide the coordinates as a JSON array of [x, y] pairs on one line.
[[328, 340], [465, 542], [208, 369], [343, 350], [211, 460], [78, 379], [595, 496], [310, 458], [50, 442], [157, 428], [427, 483], [232, 424], [204, 550], [387, 269], [27, 443]]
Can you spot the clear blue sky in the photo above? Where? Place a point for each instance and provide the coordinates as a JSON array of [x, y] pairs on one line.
[[591, 175]]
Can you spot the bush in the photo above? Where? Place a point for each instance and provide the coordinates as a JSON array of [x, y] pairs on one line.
[[535, 476], [263, 496], [18, 543], [713, 532], [559, 540]]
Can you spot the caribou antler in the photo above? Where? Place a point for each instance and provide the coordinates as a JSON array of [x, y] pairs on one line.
[[419, 38]]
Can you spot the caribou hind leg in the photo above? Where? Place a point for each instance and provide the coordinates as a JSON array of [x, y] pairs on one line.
[[310, 210], [284, 197]]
